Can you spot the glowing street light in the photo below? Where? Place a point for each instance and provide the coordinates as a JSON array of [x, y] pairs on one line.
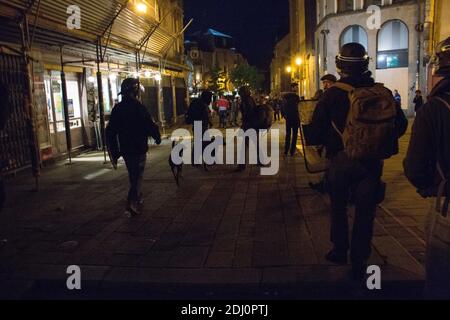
[[299, 61], [141, 7], [289, 69], [158, 77], [147, 74]]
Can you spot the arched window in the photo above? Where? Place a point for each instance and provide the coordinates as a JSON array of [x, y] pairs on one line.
[[393, 44], [354, 34]]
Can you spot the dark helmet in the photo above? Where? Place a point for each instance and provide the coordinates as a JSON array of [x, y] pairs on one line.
[[442, 58], [352, 59], [129, 85], [329, 77]]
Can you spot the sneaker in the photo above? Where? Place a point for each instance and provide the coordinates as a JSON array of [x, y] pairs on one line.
[[132, 209], [336, 257]]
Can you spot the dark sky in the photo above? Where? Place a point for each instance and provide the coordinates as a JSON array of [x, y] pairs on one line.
[[255, 24]]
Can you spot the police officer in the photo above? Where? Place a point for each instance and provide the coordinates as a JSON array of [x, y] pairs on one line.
[[345, 176], [427, 165], [131, 124]]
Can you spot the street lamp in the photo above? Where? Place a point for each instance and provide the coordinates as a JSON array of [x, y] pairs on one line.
[[299, 61], [289, 69], [141, 7]]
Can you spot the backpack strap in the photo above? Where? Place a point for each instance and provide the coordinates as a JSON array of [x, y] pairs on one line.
[[443, 101], [344, 86], [442, 206]]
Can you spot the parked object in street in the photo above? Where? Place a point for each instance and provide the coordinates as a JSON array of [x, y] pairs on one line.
[[127, 135], [427, 166], [347, 174]]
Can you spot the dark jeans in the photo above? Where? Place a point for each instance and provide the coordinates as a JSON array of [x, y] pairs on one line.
[[247, 151], [363, 180], [2, 194], [136, 166], [223, 118], [291, 138]]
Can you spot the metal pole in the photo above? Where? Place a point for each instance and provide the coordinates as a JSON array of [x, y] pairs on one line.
[[66, 109], [101, 106]]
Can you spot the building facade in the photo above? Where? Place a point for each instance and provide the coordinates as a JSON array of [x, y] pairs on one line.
[[280, 78], [393, 45], [64, 69], [303, 61], [210, 52]]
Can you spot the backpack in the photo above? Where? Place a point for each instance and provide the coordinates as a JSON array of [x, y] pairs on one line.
[[263, 117], [370, 131]]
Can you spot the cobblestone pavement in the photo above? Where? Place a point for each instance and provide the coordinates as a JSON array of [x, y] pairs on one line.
[[220, 234]]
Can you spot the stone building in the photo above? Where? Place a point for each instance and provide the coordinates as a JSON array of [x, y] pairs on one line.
[[394, 47], [280, 78]]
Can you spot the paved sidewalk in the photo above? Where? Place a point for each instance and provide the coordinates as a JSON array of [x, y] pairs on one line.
[[219, 235]]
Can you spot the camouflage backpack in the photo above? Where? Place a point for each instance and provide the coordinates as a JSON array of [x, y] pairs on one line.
[[370, 131]]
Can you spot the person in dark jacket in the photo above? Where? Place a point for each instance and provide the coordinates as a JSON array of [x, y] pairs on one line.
[[4, 115], [427, 165], [290, 113], [418, 101], [199, 112], [345, 176], [127, 135], [248, 111]]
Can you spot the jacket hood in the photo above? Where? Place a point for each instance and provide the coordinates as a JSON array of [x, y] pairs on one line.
[[359, 80]]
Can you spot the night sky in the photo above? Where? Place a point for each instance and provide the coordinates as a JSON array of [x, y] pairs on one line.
[[255, 24]]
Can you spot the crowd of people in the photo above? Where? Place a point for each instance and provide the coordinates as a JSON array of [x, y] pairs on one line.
[[358, 122]]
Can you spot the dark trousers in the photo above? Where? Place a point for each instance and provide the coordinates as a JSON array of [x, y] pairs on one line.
[[291, 138], [2, 194], [362, 180], [136, 167], [223, 118], [247, 150], [277, 116]]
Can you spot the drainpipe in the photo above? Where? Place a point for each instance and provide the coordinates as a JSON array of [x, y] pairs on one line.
[[100, 101]]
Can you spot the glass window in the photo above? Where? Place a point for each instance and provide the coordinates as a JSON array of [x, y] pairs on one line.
[[354, 34], [393, 43]]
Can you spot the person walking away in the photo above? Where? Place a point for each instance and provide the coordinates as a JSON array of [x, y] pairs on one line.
[[291, 114], [223, 106], [199, 112], [398, 98], [127, 135], [4, 115], [427, 166], [418, 101], [276, 109], [356, 164], [249, 113]]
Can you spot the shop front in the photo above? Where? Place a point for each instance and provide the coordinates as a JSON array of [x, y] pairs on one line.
[[76, 110]]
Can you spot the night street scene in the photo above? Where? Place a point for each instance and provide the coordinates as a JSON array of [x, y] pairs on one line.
[[252, 151]]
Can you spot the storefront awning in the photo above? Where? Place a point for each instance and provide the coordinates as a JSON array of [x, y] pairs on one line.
[[125, 37]]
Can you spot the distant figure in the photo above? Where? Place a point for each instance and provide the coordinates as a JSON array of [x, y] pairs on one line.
[[4, 115], [328, 81], [276, 105], [397, 98], [291, 114], [223, 105], [418, 101], [127, 136], [248, 110]]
